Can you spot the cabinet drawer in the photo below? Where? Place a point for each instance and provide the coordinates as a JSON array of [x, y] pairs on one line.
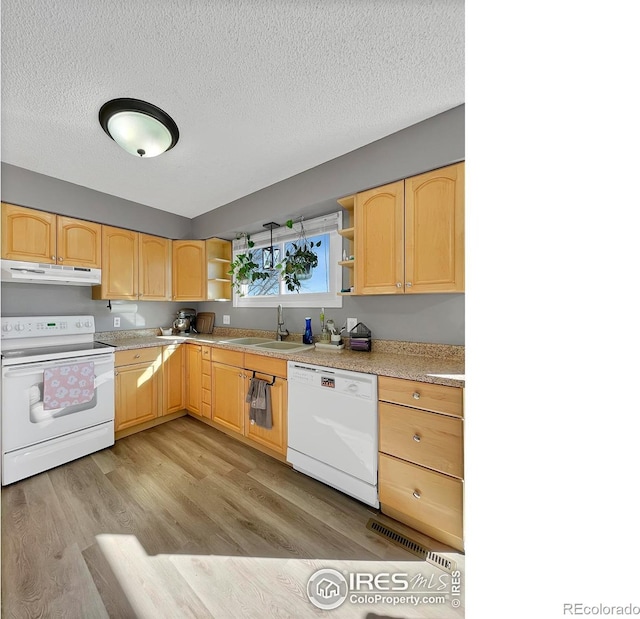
[[425, 396], [138, 355], [228, 357], [432, 502], [206, 396], [206, 367], [424, 438], [206, 352], [266, 365]]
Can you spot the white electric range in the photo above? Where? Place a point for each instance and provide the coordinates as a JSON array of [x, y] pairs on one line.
[[57, 393]]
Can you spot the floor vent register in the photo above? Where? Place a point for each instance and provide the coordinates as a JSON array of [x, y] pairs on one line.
[[410, 545]]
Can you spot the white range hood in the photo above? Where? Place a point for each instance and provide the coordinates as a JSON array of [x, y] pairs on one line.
[[37, 273]]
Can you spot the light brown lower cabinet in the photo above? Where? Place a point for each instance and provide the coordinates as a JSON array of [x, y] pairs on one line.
[[421, 457], [424, 499], [138, 380], [173, 374], [232, 372]]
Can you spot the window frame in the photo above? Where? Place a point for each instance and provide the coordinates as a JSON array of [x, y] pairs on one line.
[[326, 224]]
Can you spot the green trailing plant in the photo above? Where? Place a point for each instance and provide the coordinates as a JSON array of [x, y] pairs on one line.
[[244, 268], [299, 260]]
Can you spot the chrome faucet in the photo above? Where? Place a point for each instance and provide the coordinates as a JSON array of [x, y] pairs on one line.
[[280, 333]]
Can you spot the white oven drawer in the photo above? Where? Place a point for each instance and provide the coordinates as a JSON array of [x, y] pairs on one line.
[[25, 421]]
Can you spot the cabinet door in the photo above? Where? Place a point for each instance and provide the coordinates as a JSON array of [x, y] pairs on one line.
[[119, 265], [173, 373], [194, 378], [154, 283], [79, 243], [379, 240], [28, 234], [434, 233], [276, 437], [189, 276], [228, 396], [137, 394]]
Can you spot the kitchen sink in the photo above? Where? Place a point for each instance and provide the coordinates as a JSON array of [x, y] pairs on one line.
[[283, 346], [247, 341]]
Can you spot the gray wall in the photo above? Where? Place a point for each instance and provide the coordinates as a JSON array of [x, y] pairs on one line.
[[427, 145], [41, 299], [437, 318], [434, 318], [26, 188], [430, 144]]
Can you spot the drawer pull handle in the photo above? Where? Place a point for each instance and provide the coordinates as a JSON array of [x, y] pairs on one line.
[[416, 494], [416, 395], [416, 438]]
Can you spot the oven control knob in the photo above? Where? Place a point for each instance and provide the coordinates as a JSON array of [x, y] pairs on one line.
[[7, 327], [78, 324], [19, 327], [87, 323]]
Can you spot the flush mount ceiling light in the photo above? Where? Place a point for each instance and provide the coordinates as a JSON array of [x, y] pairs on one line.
[[141, 128]]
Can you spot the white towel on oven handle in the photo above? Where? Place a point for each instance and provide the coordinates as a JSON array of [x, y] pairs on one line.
[[36, 405]]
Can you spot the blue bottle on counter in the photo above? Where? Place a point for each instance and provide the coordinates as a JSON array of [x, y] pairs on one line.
[[307, 337]]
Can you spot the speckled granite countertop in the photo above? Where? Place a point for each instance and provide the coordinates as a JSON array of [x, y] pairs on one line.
[[429, 363]]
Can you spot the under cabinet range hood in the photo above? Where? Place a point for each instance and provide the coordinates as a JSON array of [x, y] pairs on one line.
[[37, 273]]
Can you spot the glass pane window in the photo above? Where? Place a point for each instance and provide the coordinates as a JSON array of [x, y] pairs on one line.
[[318, 288], [317, 280]]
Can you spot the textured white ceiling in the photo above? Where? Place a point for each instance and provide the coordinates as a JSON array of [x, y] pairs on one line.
[[260, 90]]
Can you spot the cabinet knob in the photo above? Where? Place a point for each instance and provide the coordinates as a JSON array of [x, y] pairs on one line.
[[416, 494], [408, 284], [53, 257], [115, 373], [416, 438], [136, 356], [416, 395], [60, 259], [398, 284]]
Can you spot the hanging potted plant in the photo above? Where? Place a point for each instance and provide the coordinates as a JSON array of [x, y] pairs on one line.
[[244, 268], [299, 260]]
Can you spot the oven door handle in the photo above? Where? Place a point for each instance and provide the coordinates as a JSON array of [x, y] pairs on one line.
[[21, 370]]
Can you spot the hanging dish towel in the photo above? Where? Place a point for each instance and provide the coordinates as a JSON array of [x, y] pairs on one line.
[[259, 399], [67, 385]]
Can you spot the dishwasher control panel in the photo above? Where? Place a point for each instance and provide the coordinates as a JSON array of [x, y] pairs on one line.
[[333, 380]]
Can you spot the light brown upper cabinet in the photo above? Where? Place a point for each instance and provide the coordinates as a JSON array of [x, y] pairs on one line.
[[189, 271], [434, 231], [119, 265], [409, 235], [36, 236], [154, 281], [134, 266], [379, 240]]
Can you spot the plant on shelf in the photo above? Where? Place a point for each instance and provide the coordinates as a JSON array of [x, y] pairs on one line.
[[244, 268], [299, 260]]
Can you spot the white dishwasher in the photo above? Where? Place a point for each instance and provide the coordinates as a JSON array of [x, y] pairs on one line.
[[333, 428]]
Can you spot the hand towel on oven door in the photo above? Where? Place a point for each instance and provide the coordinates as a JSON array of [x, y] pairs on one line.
[[259, 399], [68, 385]]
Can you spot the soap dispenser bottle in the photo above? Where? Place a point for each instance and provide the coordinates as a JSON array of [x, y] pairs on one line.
[[307, 337]]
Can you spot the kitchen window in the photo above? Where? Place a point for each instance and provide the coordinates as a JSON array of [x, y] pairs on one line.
[[320, 289]]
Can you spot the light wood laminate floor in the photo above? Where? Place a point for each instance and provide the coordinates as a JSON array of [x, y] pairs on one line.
[[183, 521]]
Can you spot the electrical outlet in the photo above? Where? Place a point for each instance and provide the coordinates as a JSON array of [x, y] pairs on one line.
[[116, 321], [226, 319], [351, 323]]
